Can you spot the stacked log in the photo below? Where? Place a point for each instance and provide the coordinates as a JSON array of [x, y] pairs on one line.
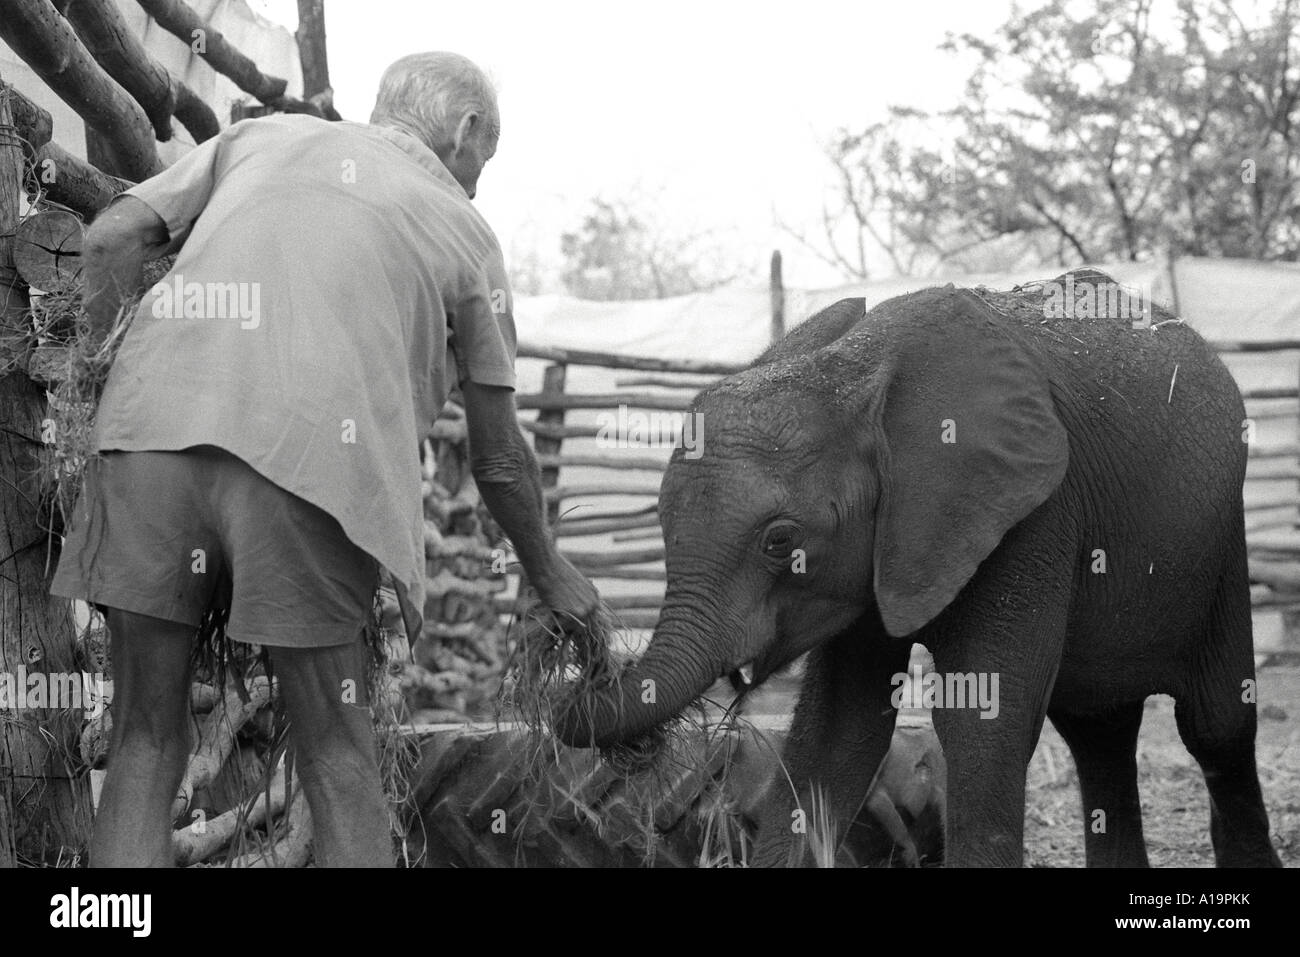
[[457, 663]]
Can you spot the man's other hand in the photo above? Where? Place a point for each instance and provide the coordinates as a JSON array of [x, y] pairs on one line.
[[508, 479], [567, 592]]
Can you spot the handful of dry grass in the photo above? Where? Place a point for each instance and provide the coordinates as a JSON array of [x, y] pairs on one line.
[[561, 669], [555, 666], [75, 362]]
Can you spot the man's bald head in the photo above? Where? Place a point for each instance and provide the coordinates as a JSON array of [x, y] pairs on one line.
[[449, 104]]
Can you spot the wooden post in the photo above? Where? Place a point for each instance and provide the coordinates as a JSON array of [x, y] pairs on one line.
[[552, 384], [1172, 273], [178, 19], [44, 806], [544, 445], [778, 298], [313, 56], [1291, 616], [102, 28], [13, 307]]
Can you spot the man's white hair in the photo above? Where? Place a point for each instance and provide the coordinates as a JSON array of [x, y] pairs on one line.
[[427, 94]]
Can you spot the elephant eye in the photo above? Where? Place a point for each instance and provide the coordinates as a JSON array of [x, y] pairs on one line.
[[781, 538]]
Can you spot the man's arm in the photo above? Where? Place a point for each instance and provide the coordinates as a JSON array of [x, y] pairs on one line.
[[117, 245], [509, 481]]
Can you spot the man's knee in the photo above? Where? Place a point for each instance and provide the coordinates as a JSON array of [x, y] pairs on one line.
[[324, 689]]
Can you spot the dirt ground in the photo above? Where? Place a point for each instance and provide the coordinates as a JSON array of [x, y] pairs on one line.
[[1175, 805]]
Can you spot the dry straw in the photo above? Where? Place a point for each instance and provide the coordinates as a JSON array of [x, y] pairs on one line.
[[558, 669], [553, 667]]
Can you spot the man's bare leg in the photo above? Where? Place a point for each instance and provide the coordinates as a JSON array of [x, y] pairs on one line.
[[325, 695], [150, 742]]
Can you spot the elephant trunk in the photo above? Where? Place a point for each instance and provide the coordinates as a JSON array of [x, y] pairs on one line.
[[677, 667]]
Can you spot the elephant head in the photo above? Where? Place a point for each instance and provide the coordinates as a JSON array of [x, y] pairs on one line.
[[856, 468]]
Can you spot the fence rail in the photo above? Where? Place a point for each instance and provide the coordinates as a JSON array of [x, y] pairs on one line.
[[614, 360]]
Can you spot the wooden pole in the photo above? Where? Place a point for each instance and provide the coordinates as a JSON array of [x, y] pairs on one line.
[[614, 360], [13, 310], [1172, 272], [44, 807], [103, 29], [1290, 615], [546, 446], [552, 389], [178, 19], [66, 179], [46, 42], [74, 183], [607, 400], [35, 125], [777, 287], [313, 55]]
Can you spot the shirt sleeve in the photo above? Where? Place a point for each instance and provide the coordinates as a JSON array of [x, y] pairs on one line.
[[483, 327], [180, 192]]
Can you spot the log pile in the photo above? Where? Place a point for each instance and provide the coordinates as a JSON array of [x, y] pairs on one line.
[[457, 663], [231, 805]]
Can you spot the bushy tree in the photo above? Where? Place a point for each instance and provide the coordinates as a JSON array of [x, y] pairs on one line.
[[1088, 130], [620, 251]]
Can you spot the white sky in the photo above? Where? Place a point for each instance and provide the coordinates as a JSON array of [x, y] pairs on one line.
[[716, 106]]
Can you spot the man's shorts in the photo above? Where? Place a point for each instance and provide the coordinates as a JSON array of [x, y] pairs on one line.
[[173, 534]]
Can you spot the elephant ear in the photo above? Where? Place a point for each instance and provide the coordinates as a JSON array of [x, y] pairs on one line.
[[972, 445]]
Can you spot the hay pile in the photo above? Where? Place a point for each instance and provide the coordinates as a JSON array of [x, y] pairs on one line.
[[667, 789], [61, 351]]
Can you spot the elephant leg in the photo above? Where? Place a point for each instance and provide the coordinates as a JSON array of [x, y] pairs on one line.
[[1105, 752], [1216, 720], [988, 749], [839, 736]]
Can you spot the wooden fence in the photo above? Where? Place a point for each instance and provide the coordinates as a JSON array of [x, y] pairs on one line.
[[632, 549]]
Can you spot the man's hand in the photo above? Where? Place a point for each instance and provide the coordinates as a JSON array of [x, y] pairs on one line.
[[567, 592], [117, 245]]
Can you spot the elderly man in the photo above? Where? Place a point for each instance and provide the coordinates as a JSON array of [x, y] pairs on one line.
[[261, 422]]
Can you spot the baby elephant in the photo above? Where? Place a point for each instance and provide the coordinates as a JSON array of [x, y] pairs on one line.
[[909, 798], [913, 782], [1042, 491]]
